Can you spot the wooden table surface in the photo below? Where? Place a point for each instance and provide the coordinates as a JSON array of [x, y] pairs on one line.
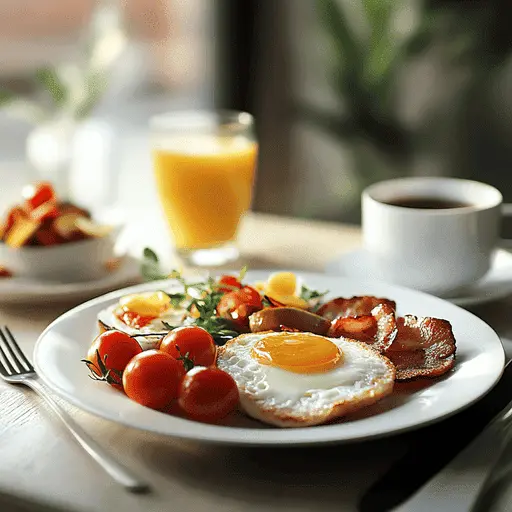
[[42, 468]]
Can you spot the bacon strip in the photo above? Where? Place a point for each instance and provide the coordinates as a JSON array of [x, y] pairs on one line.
[[423, 347], [378, 329], [353, 307]]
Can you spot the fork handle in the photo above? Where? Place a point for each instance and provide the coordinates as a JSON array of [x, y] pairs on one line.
[[116, 470]]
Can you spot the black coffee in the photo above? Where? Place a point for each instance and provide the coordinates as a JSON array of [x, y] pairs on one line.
[[426, 203]]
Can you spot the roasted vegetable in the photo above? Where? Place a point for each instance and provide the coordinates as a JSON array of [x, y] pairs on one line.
[[21, 232]]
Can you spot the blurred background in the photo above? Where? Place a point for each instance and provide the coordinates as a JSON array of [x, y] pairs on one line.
[[345, 92]]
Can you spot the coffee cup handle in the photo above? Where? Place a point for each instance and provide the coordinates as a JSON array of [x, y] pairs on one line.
[[506, 211]]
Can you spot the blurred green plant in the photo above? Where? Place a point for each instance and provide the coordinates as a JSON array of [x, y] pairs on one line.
[[370, 42], [71, 90]]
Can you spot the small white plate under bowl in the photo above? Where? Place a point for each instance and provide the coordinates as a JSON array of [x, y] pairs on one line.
[[496, 285], [24, 290], [480, 360]]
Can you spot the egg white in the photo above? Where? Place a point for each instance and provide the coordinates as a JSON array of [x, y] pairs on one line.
[[173, 317], [309, 398]]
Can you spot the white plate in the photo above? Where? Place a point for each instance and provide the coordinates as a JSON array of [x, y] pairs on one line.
[[480, 360], [16, 290], [496, 285]]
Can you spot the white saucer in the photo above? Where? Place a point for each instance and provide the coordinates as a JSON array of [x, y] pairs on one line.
[[15, 290], [497, 284]]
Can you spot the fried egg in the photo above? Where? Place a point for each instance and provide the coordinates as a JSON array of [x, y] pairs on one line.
[[296, 379], [285, 288], [142, 313]]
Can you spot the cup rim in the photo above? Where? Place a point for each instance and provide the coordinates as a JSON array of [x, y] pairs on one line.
[[370, 191], [199, 118]]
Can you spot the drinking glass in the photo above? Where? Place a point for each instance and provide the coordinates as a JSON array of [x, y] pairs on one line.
[[204, 165]]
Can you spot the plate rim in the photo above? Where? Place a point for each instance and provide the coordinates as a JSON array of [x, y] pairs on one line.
[[242, 440], [37, 292]]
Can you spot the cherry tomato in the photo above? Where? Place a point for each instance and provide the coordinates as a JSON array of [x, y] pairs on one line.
[[37, 194], [116, 349], [252, 296], [153, 378], [231, 282], [195, 341], [133, 319], [239, 305], [208, 394]]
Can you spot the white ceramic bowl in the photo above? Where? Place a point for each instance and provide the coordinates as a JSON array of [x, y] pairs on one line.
[[84, 260]]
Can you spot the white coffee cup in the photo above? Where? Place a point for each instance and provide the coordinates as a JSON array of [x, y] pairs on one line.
[[433, 250]]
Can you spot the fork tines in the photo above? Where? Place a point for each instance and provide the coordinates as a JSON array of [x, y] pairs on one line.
[[12, 360]]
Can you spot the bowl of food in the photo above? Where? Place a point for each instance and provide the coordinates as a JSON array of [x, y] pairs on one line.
[[45, 238]]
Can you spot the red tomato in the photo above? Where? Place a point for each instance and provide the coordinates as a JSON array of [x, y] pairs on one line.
[[231, 282], [133, 319], [239, 305], [195, 341], [153, 378], [116, 349], [252, 296], [208, 394], [37, 194]]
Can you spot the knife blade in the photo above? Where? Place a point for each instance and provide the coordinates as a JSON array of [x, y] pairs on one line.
[[457, 486], [432, 448]]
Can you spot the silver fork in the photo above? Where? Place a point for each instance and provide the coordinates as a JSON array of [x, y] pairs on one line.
[[16, 369]]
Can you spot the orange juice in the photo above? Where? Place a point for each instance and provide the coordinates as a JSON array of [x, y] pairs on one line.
[[205, 184]]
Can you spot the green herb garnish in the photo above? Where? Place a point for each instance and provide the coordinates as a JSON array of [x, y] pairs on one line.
[[177, 299], [205, 310], [150, 267], [308, 294], [202, 297], [243, 271]]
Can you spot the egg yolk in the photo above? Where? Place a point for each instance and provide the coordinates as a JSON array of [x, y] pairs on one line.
[[138, 310], [153, 304], [282, 287], [282, 283], [299, 353]]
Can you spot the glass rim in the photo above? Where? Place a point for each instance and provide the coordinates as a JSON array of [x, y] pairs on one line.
[[200, 118]]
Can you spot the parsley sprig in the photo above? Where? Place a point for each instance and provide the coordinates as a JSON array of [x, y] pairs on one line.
[[177, 299], [204, 310], [312, 297], [201, 297], [308, 294], [150, 267]]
